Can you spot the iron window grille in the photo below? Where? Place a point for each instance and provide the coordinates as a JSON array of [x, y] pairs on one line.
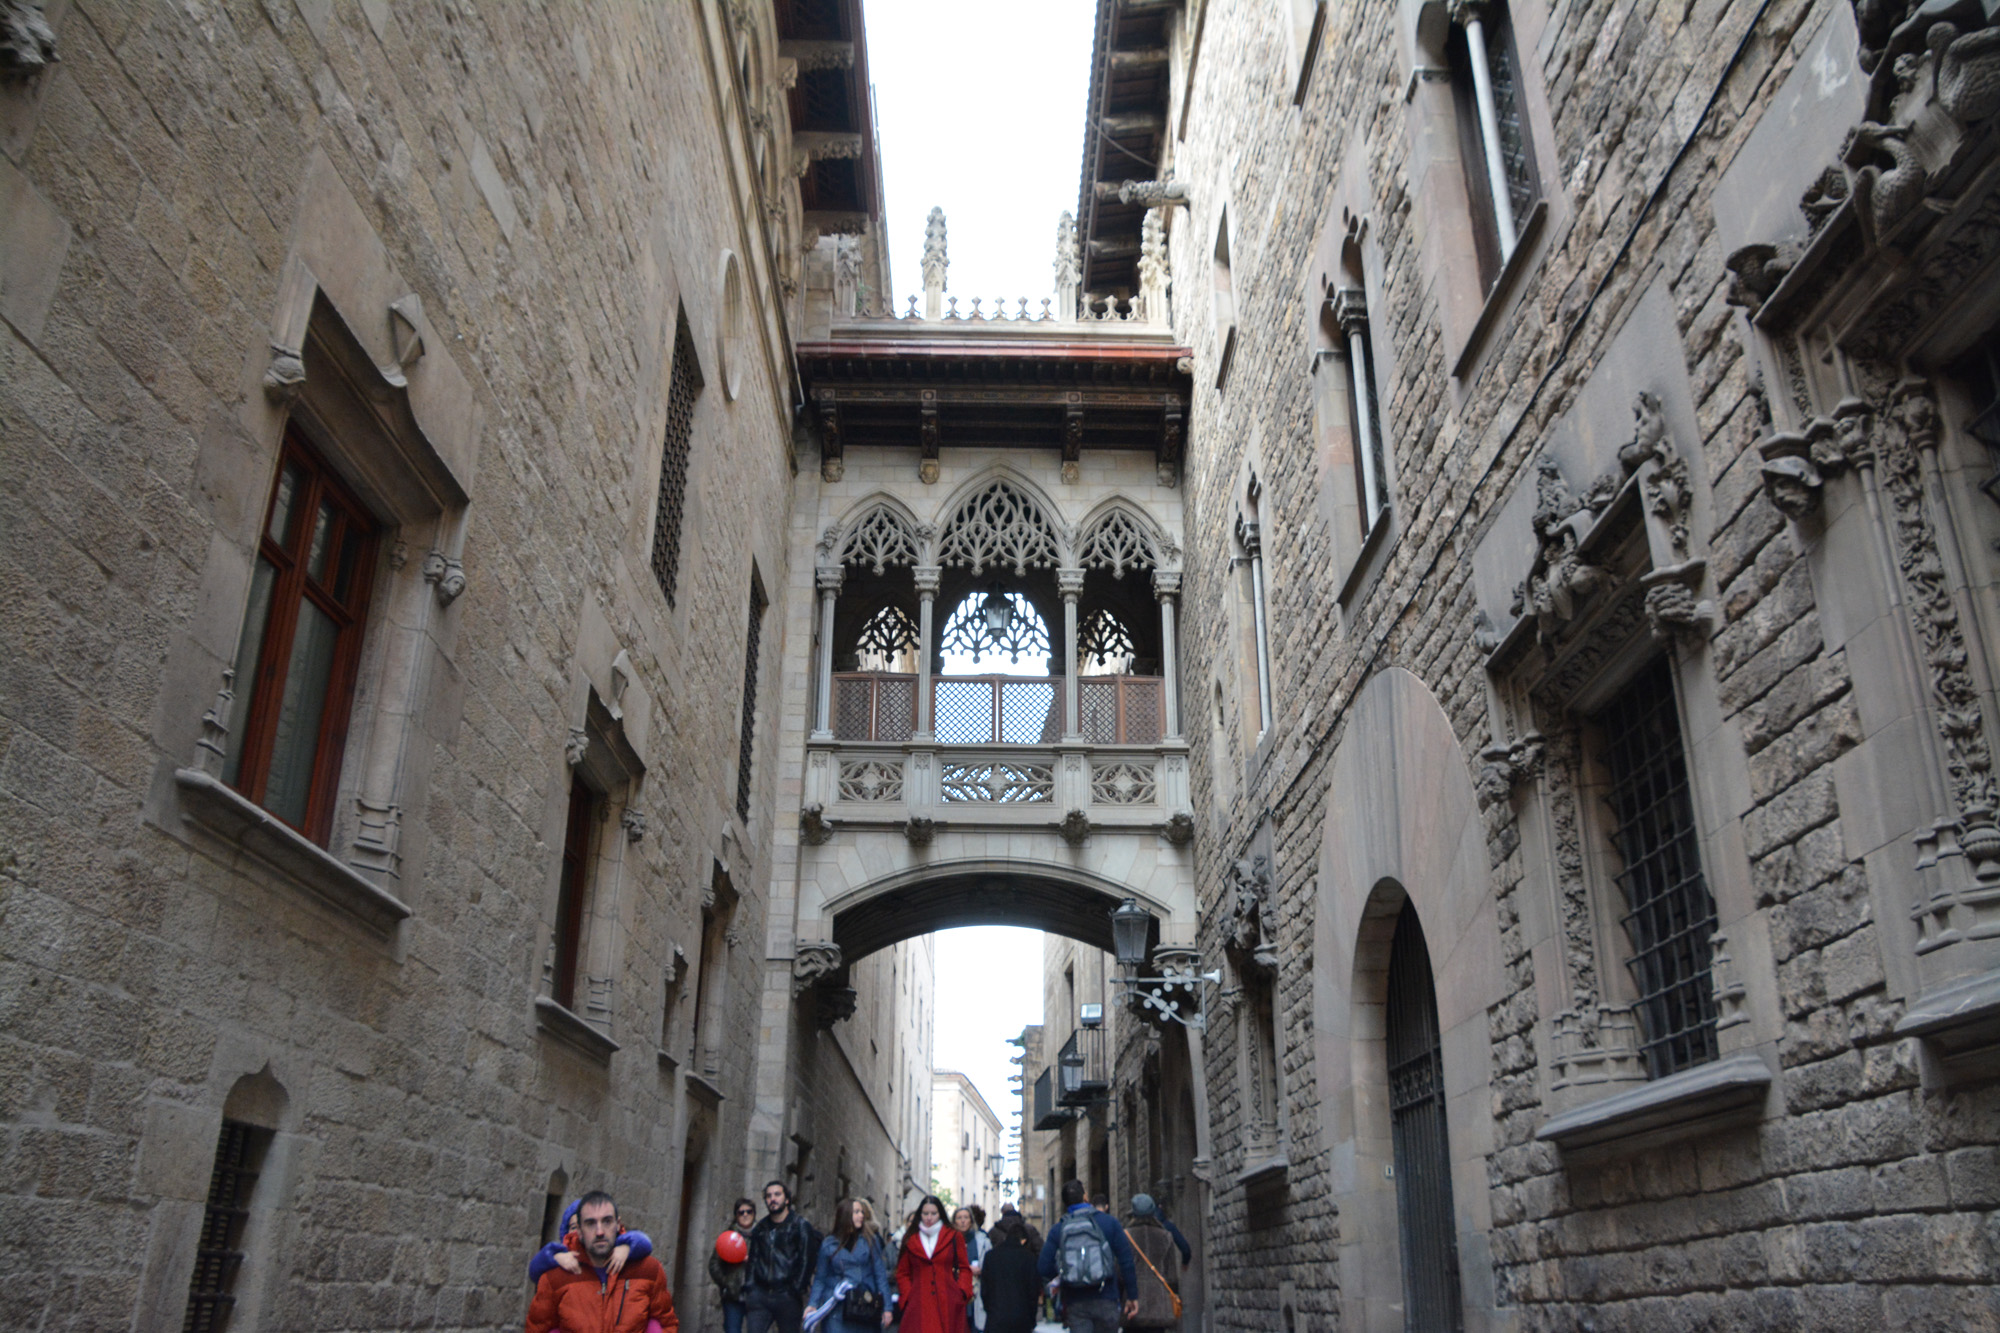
[[239, 1151], [1418, 1134], [747, 740], [1669, 914], [668, 512]]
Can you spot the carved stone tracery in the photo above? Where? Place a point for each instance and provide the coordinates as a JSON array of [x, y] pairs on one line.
[[998, 526]]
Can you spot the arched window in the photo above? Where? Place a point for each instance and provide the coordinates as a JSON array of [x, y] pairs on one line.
[[1427, 1223], [992, 625]]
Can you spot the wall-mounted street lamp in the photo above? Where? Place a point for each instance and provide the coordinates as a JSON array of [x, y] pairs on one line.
[[1176, 992]]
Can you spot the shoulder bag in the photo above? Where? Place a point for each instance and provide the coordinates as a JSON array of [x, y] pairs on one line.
[[862, 1306]]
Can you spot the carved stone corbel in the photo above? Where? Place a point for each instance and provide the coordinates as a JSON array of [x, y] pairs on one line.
[[634, 823], [1672, 606], [1755, 271], [1179, 831], [576, 747], [1168, 193], [1792, 481], [285, 377], [446, 574], [1507, 764], [836, 1004], [920, 831], [27, 42], [811, 961], [1075, 828], [814, 828]]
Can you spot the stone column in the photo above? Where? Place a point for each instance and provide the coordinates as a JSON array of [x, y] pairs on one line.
[[1468, 14], [828, 580], [927, 587], [1248, 532], [1350, 310], [1166, 587], [1069, 582]]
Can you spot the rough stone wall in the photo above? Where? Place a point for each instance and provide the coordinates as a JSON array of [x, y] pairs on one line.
[[1865, 1203], [552, 184]]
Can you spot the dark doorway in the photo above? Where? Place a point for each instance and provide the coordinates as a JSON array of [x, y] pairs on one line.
[[1428, 1224]]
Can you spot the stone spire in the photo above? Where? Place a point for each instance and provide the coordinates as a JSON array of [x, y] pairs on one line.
[[934, 264], [1153, 268], [1069, 268]]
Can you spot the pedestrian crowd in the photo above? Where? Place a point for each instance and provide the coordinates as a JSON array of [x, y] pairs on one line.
[[948, 1274]]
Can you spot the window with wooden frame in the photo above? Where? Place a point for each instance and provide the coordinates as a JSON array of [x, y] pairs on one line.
[[301, 642], [573, 893]]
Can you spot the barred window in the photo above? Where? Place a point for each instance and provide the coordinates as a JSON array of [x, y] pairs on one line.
[[239, 1153], [1669, 914], [674, 463], [747, 745]]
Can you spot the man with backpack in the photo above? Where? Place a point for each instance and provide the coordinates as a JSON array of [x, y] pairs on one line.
[[1090, 1254]]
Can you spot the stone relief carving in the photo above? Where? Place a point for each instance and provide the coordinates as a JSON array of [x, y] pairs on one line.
[[576, 747], [1075, 828], [1168, 193], [27, 42], [1000, 527], [1179, 830], [1755, 271], [919, 831], [836, 1004], [633, 821], [1247, 926], [1560, 577], [1577, 926], [880, 539], [811, 961]]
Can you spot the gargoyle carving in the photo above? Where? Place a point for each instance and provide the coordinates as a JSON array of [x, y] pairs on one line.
[[1075, 828], [814, 829], [919, 831], [446, 574], [1672, 605], [1883, 196], [1756, 270], [1179, 830], [27, 42]]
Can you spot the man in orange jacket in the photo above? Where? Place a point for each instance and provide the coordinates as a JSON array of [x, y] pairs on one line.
[[594, 1301]]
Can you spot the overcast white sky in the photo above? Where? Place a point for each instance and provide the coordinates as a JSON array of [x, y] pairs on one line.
[[980, 110]]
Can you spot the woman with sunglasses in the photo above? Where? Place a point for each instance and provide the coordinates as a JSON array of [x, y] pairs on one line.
[[728, 1278]]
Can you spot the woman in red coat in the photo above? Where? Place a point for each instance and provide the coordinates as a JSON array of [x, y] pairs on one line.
[[933, 1275]]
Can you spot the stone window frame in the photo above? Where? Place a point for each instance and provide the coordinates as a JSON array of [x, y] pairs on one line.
[[1472, 309], [1249, 620], [1347, 256], [1632, 551], [247, 1084], [610, 718], [1305, 23], [1251, 971], [353, 363], [1223, 304]]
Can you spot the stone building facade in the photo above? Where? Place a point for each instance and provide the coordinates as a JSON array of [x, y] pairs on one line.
[[399, 446], [1588, 640], [966, 1157]]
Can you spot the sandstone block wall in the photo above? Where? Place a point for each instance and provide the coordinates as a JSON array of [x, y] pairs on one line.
[[1861, 1198], [558, 187]]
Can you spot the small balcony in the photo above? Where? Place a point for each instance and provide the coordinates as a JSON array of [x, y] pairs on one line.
[[1083, 1069], [1048, 1115], [998, 710]]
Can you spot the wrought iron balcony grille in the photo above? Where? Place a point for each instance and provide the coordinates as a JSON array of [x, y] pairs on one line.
[[1670, 916]]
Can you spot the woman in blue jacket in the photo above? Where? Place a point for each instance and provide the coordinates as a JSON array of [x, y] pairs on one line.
[[853, 1254]]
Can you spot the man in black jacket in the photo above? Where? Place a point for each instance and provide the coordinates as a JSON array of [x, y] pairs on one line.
[[784, 1247]]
